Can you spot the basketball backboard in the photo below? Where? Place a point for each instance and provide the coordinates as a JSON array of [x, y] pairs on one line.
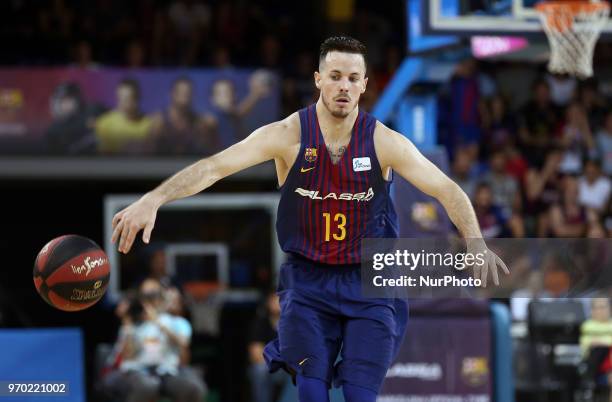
[[486, 17]]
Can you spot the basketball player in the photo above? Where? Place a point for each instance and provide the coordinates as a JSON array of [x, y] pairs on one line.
[[334, 164]]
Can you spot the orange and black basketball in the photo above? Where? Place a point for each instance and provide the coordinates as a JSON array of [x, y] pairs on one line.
[[71, 272]]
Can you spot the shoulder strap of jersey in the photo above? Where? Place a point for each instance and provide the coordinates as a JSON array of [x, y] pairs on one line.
[[307, 123]]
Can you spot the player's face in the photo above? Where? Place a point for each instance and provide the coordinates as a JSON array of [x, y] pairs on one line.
[[341, 80]]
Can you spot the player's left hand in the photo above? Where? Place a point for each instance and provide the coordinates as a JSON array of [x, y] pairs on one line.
[[490, 261]]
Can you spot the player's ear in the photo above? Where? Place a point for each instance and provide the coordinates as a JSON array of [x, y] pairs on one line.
[[317, 79], [365, 84]]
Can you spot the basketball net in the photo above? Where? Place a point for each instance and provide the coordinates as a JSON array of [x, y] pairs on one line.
[[572, 28]]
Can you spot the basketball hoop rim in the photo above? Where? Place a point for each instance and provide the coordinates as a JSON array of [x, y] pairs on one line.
[[559, 15], [572, 7]]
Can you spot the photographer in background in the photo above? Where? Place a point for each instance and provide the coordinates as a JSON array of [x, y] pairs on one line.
[[265, 386], [153, 347]]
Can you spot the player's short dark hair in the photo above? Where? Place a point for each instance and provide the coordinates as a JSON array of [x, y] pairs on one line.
[[132, 84], [344, 44]]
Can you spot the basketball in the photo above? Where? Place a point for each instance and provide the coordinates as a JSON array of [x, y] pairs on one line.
[[71, 273]]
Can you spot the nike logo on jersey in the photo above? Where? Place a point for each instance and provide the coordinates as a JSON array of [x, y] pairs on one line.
[[304, 170], [314, 195], [303, 361]]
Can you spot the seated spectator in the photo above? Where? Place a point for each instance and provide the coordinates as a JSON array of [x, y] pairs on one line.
[[71, 131], [492, 221], [464, 108], [537, 122], [604, 144], [463, 171], [542, 190], [125, 128], [593, 187], [576, 139], [505, 187], [592, 102], [499, 125], [568, 218], [516, 164], [265, 386], [596, 340], [562, 88], [153, 349]]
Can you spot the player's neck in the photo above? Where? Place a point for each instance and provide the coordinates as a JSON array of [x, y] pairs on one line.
[[335, 127]]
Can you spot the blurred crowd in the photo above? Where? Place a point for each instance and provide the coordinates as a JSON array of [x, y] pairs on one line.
[[170, 338], [81, 128], [197, 33], [541, 169]]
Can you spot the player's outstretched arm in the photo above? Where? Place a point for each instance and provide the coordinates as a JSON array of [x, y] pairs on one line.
[[262, 145], [397, 152]]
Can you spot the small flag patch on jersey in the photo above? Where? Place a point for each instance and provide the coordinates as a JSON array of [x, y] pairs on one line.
[[361, 164], [310, 154]]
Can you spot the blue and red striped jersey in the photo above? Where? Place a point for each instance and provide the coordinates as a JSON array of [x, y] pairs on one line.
[[326, 209]]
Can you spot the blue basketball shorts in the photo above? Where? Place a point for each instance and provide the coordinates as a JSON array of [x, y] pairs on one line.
[[327, 330]]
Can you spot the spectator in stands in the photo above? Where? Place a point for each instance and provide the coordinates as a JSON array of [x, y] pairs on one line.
[[505, 187], [542, 190], [556, 279], [562, 88], [228, 113], [135, 54], [593, 187], [269, 53], [298, 88], [499, 125], [124, 129], [464, 108], [490, 217], [506, 192], [154, 350], [516, 164], [596, 340], [576, 139], [463, 171], [266, 387], [71, 131], [592, 101], [179, 130], [83, 55], [604, 144], [190, 22], [597, 330], [567, 217], [537, 123]]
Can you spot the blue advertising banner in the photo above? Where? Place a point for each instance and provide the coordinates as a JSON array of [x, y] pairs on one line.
[[40, 364]]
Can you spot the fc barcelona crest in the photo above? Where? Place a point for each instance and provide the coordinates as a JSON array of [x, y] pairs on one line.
[[310, 154]]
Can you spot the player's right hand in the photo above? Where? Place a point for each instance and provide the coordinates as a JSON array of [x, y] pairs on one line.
[[129, 221]]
